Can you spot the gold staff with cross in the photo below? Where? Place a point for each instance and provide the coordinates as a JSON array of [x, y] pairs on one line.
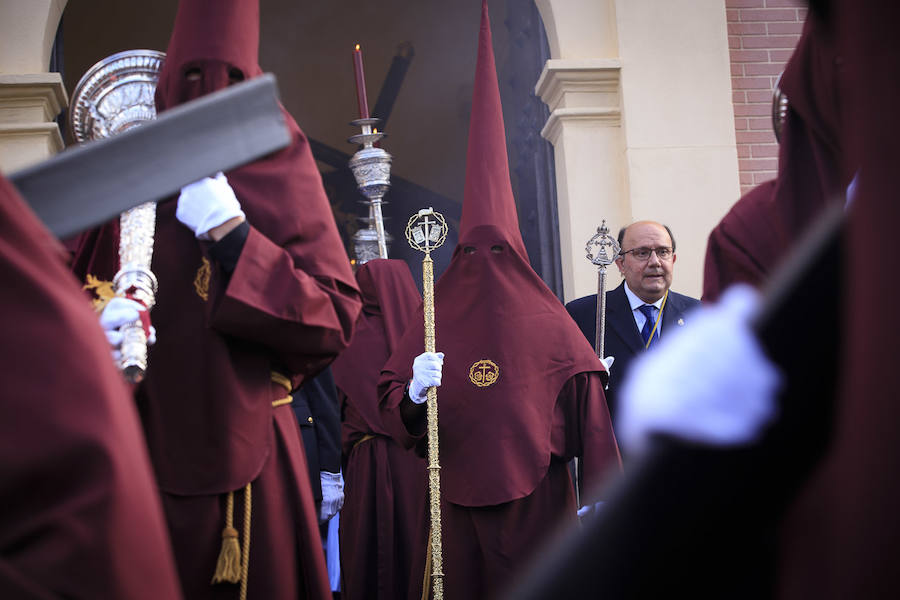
[[425, 231]]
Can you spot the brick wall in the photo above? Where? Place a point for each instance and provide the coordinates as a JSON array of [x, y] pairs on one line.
[[762, 35]]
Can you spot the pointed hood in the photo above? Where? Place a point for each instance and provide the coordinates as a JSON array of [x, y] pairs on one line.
[[216, 41], [492, 312], [488, 199]]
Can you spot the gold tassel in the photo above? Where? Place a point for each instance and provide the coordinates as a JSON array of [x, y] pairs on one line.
[[228, 567]]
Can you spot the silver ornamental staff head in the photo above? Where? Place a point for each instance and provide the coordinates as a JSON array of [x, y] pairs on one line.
[[115, 95], [606, 245], [426, 230]]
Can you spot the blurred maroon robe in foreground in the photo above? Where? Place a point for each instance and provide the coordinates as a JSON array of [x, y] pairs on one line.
[[383, 521], [846, 531], [81, 515], [280, 301], [762, 227], [504, 446]]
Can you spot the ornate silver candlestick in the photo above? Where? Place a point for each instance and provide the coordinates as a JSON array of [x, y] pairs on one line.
[[371, 167], [114, 95]]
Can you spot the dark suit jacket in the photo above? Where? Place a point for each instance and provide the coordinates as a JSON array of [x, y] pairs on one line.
[[319, 417], [622, 339]]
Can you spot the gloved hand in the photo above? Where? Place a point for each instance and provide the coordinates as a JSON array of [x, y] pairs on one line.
[[427, 369], [726, 403], [117, 312], [206, 204], [332, 494], [589, 510], [608, 362]]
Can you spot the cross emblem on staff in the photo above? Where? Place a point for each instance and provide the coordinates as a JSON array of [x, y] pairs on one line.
[[425, 234]]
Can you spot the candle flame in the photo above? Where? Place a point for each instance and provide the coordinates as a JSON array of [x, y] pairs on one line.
[[375, 130], [357, 47]]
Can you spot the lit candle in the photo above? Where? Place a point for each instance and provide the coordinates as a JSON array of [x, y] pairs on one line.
[[360, 84]]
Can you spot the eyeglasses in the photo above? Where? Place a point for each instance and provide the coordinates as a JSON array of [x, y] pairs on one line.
[[643, 253]]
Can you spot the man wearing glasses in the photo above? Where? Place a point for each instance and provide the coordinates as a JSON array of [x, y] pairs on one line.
[[642, 308]]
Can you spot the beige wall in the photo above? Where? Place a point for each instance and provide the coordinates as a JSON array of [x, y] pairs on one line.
[[647, 132], [30, 97]]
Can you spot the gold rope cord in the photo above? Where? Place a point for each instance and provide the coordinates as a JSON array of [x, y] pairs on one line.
[[434, 467]]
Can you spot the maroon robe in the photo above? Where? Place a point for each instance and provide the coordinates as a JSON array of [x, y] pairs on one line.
[[81, 516], [845, 538], [383, 526], [288, 307], [761, 228], [521, 389]]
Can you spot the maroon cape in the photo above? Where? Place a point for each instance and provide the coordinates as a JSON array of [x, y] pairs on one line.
[[289, 306], [846, 535], [520, 392], [383, 526], [761, 228], [81, 516]]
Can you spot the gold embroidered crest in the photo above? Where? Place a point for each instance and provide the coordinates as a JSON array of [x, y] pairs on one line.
[[484, 373], [201, 279], [103, 290]]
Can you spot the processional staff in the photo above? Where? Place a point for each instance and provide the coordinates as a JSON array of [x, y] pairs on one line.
[[113, 96], [425, 231], [607, 250]]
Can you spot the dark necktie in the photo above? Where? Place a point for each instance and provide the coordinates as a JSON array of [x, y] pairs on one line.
[[648, 311]]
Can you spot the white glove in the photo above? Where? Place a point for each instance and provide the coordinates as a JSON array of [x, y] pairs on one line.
[[590, 509], [727, 401], [117, 312], [206, 204], [427, 369], [608, 362], [332, 494]]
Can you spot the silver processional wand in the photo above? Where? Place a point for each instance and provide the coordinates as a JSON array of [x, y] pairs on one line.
[[425, 231], [113, 96], [607, 251]]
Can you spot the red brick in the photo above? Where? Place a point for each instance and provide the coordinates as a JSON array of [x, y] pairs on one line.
[[801, 14], [738, 97], [754, 137], [746, 178], [732, 15], [749, 56], [763, 69], [769, 41], [754, 96], [737, 69], [743, 151], [763, 176], [782, 28], [734, 41], [777, 55], [744, 3], [752, 110], [764, 150], [784, 3], [747, 28], [768, 14], [740, 125], [751, 83], [759, 123]]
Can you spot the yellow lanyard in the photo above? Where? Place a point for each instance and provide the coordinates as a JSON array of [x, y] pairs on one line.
[[658, 317]]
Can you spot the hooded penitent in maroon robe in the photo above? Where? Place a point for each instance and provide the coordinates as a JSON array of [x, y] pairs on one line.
[[276, 296], [81, 517], [505, 438], [383, 524], [761, 228], [845, 538]]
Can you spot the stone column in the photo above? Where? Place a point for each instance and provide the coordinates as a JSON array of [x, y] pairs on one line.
[[30, 96]]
